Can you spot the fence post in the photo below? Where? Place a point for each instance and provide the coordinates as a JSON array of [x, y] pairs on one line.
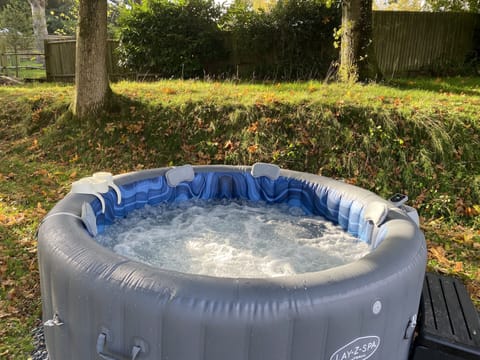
[[3, 60], [46, 56], [16, 60]]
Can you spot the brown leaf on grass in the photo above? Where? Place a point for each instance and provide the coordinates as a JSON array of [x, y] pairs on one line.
[[12, 294], [4, 315], [202, 156], [219, 156], [458, 266], [7, 283], [26, 241], [467, 238], [136, 128], [471, 211], [3, 269], [271, 121], [12, 219], [473, 289], [168, 91], [40, 210], [34, 145], [351, 181], [253, 127], [438, 253], [74, 159], [29, 295], [187, 148], [41, 172]]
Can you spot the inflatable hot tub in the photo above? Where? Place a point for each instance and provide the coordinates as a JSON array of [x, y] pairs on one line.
[[100, 305]]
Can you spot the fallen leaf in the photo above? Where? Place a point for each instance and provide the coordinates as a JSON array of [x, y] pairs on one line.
[[438, 253], [40, 209], [12, 294], [34, 145], [458, 266], [8, 282], [252, 148], [169, 91], [253, 127]]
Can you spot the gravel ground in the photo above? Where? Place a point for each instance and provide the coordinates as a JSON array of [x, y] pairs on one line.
[[39, 351]]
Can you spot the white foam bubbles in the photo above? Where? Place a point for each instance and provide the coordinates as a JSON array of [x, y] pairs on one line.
[[232, 239]]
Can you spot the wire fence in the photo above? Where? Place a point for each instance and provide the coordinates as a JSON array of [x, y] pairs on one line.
[[23, 64], [19, 58]]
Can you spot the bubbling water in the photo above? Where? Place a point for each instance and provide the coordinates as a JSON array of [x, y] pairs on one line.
[[237, 239]]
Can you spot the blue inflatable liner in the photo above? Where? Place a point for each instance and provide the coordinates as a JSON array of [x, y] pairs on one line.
[[312, 198]]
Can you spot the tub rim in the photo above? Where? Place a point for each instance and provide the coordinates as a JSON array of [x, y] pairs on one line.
[[64, 239]]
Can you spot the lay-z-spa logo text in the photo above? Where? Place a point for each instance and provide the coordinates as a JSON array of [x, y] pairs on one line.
[[361, 348]]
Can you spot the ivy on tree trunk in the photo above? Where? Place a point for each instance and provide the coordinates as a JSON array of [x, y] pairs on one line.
[[357, 54], [92, 89]]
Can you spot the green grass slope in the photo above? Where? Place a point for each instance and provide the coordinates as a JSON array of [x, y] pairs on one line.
[[419, 137]]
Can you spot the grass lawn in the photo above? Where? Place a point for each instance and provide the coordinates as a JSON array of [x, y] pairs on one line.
[[416, 136]]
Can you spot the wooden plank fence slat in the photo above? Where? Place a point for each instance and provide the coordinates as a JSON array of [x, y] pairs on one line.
[[60, 60], [412, 42]]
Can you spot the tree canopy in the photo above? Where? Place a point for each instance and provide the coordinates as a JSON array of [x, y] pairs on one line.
[[16, 23], [453, 5], [428, 5]]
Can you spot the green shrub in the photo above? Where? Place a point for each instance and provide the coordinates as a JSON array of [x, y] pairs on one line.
[[188, 38], [16, 25], [171, 38], [294, 40]]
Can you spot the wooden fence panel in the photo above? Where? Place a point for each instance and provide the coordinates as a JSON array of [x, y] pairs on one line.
[[60, 60], [413, 42]]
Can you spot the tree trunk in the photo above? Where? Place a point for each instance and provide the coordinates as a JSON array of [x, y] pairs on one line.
[[39, 23], [92, 89], [357, 53]]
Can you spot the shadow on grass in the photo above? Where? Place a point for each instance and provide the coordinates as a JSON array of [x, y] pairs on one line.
[[118, 107], [464, 85]]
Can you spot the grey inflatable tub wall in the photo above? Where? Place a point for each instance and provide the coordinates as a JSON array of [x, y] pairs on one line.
[[100, 305]]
